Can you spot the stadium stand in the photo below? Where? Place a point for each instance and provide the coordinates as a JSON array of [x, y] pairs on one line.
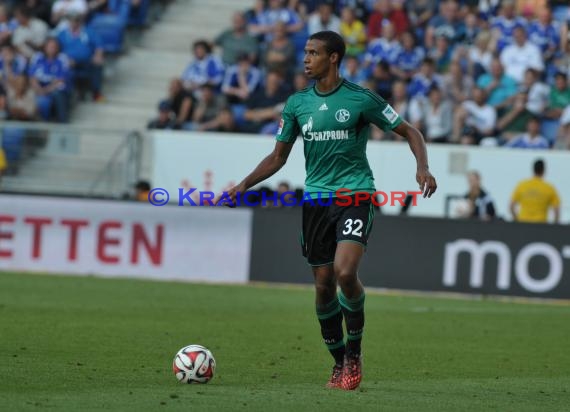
[[496, 64]]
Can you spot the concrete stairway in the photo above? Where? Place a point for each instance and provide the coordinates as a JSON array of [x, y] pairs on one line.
[[134, 83]]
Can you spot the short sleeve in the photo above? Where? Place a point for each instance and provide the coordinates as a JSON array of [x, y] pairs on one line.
[[377, 111], [288, 126], [555, 200], [516, 196]]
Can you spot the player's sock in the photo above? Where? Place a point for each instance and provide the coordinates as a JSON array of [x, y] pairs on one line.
[[330, 318], [353, 310]]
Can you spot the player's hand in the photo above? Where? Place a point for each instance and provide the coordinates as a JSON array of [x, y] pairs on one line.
[[228, 198], [427, 182]]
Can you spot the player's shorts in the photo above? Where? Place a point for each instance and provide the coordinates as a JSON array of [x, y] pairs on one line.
[[324, 226]]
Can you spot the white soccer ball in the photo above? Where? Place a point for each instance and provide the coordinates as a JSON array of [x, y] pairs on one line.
[[194, 364]]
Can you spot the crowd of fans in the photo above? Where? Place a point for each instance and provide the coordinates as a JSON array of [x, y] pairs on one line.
[[54, 50], [487, 72]]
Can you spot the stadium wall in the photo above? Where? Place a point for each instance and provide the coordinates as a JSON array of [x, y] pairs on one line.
[[428, 254], [216, 161]]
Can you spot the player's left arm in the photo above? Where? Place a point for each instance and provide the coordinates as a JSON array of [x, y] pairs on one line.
[[417, 144]]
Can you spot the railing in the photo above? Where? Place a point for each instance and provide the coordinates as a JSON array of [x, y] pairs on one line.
[[69, 160]]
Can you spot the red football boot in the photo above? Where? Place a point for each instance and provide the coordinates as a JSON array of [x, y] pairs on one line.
[[352, 372], [336, 378]]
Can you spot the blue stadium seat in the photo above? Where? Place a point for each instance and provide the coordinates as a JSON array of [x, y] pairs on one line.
[[13, 143]]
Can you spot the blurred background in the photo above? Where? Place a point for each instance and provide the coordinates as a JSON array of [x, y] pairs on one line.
[[103, 100]]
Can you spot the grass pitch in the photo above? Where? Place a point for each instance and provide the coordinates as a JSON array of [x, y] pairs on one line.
[[81, 344]]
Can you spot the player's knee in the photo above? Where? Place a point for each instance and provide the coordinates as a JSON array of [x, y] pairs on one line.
[[345, 276], [325, 289]]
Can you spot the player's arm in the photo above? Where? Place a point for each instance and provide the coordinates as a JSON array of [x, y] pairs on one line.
[[417, 144], [377, 111]]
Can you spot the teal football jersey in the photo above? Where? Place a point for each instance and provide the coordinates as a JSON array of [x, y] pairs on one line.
[[335, 128]]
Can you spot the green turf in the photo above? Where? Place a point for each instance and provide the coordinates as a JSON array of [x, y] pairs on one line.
[[79, 344]]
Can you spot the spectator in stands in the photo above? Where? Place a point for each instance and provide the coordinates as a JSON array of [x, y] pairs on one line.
[[181, 103], [21, 100], [474, 119], [7, 25], [424, 80], [142, 190], [49, 73], [504, 25], [441, 53], [420, 12], [559, 97], [11, 64], [350, 70], [31, 33], [212, 112], [409, 58], [447, 23], [86, 56], [532, 139], [383, 13], [532, 198], [265, 105], [479, 55], [437, 117], [285, 195], [545, 34], [96, 6], [280, 52], [515, 118], [353, 31], [3, 105], [457, 86], [164, 120], [323, 19], [241, 80], [237, 41], [39, 8], [481, 203], [276, 12], [499, 86], [520, 56], [62, 9], [206, 68], [382, 80], [472, 29], [537, 92], [361, 8], [383, 49], [563, 142]]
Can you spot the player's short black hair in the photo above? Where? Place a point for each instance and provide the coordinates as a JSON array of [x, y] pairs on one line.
[[538, 167], [334, 43]]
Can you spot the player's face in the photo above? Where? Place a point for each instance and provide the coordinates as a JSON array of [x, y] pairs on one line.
[[317, 61]]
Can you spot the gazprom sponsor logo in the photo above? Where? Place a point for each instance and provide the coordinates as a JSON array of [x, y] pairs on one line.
[[326, 135]]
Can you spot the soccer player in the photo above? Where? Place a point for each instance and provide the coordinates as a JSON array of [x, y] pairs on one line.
[[333, 116]]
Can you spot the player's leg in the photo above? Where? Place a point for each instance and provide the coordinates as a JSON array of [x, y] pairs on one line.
[[353, 228], [319, 243]]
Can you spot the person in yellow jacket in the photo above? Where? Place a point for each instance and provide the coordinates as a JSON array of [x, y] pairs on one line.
[[534, 198], [3, 162]]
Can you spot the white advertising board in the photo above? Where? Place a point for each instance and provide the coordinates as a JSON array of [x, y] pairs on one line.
[[126, 239]]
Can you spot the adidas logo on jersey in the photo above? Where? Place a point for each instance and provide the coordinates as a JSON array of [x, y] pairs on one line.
[[323, 107]]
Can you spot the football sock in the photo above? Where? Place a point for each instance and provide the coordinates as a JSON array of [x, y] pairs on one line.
[[353, 310], [330, 318]]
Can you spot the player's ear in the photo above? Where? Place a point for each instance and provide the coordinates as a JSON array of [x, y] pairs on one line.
[[333, 58]]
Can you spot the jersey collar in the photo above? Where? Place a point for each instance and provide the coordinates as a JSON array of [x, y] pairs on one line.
[[331, 92]]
